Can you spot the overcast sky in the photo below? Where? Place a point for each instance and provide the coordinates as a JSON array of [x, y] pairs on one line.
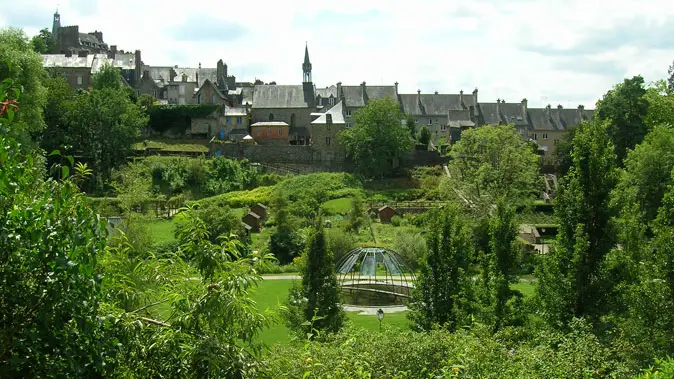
[[558, 52]]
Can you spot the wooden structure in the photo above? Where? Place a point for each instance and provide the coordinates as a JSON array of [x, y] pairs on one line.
[[253, 220], [260, 210], [386, 213]]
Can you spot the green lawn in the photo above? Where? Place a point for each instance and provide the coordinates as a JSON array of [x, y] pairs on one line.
[[272, 292], [200, 146], [338, 206], [527, 288], [162, 231]]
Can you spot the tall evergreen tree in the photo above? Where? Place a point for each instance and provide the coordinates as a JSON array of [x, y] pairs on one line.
[[444, 289], [570, 279], [284, 241], [316, 301], [502, 303]]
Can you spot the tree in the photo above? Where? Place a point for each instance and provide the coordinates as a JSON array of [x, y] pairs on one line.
[[377, 140], [563, 158], [43, 43], [284, 241], [356, 215], [625, 107], [104, 124], [49, 293], [20, 63], [315, 304], [660, 104], [443, 294], [670, 79], [503, 305], [424, 136], [60, 97], [570, 278], [493, 162], [411, 126]]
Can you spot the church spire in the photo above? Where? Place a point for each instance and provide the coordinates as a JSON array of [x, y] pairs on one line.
[[306, 66], [56, 25]]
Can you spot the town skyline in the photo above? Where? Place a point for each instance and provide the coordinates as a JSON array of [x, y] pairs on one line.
[[573, 60]]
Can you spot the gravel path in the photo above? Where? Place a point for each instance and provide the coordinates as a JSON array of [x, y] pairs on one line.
[[373, 310]]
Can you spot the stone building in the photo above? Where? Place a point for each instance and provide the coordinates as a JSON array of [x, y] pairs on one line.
[[547, 126], [324, 135], [439, 112], [292, 104], [78, 70], [69, 40], [355, 97], [502, 113]]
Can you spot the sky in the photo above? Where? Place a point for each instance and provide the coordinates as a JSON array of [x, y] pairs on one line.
[[550, 52]]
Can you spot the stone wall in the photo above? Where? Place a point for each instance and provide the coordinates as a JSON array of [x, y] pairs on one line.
[[265, 153]]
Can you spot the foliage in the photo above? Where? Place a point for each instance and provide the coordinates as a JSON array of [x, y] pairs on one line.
[[20, 63], [503, 305], [570, 280], [394, 353], [411, 246], [48, 291], [284, 243], [377, 139], [339, 243], [660, 104], [563, 159], [217, 216], [443, 294], [625, 108], [410, 124], [43, 42], [670, 79], [424, 136], [315, 303], [492, 163], [357, 218]]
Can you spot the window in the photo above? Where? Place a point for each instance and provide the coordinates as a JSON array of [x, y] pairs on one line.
[[331, 101], [545, 135], [443, 128], [199, 99], [228, 120], [259, 132], [154, 93], [555, 142], [213, 99], [271, 117], [348, 112], [430, 121], [79, 80], [238, 120], [533, 136], [292, 120], [327, 141]]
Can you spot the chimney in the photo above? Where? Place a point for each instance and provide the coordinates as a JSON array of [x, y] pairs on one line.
[[547, 111], [196, 77], [436, 92], [475, 95], [220, 73], [199, 64], [82, 53], [498, 109], [138, 65], [339, 91], [419, 96], [581, 112], [524, 108], [396, 83], [112, 52], [461, 98], [363, 87]]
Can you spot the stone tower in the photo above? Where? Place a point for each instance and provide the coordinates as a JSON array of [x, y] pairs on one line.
[[56, 26], [306, 66]]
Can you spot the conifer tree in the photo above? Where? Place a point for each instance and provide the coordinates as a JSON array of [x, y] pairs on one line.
[[570, 279], [444, 289], [316, 301]]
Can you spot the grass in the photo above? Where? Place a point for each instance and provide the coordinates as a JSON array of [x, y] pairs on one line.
[[162, 231], [174, 145], [527, 288], [270, 293], [338, 206]]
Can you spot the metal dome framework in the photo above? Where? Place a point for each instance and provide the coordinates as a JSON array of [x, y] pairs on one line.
[[374, 276]]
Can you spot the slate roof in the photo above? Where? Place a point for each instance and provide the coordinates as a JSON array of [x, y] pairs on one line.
[[92, 40], [247, 95], [279, 96], [92, 61], [337, 115], [509, 113], [353, 95], [269, 123], [162, 74], [459, 118], [326, 92], [213, 86], [543, 119], [229, 111], [434, 104]]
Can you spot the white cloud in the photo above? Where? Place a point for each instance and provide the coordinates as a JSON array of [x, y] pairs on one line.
[[507, 48]]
